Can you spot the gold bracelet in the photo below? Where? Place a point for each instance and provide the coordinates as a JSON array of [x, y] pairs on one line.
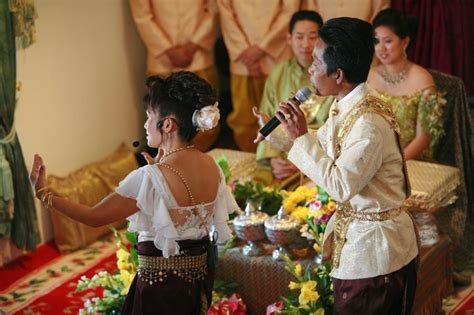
[[46, 199], [43, 197], [41, 189], [50, 200]]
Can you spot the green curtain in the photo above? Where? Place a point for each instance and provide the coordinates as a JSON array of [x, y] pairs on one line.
[[17, 210]]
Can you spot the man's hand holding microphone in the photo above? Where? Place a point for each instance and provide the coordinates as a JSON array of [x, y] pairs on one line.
[[288, 114]]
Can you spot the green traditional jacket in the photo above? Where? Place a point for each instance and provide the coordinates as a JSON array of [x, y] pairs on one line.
[[287, 77]]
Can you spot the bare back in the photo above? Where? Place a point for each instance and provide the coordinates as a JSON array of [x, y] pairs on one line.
[[202, 177]]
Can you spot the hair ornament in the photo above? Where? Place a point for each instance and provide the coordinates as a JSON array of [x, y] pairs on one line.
[[206, 118]]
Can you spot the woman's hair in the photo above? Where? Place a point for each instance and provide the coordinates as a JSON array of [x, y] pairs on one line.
[[179, 94], [401, 24], [305, 15], [350, 47]]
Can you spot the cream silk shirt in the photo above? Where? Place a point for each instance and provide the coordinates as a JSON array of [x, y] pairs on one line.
[[364, 10], [262, 23], [163, 24], [369, 175]]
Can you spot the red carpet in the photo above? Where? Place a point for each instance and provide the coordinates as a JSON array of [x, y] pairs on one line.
[[44, 282], [64, 299], [27, 263], [465, 306]]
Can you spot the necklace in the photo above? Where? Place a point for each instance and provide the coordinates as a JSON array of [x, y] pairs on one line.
[[166, 154], [396, 78]]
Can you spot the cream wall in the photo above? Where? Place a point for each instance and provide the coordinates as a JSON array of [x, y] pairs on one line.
[[81, 85]]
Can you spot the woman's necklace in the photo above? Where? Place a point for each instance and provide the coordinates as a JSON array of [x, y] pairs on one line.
[[396, 78], [166, 154]]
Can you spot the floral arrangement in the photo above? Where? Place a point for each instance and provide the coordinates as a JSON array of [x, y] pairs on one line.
[[224, 299], [313, 291], [231, 305], [115, 285], [314, 207], [268, 199]]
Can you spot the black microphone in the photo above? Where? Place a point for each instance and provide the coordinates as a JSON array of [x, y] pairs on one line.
[[300, 97], [136, 143]]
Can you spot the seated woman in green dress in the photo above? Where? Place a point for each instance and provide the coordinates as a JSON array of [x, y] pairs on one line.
[[407, 86], [286, 78]]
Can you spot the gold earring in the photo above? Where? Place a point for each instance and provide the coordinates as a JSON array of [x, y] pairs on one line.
[[405, 54]]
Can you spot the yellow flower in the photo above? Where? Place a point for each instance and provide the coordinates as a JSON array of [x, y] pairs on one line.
[[318, 213], [301, 195], [127, 279], [122, 256], [298, 269], [319, 311], [289, 205], [216, 297], [331, 206], [294, 285], [317, 248], [268, 189], [308, 294], [308, 285], [300, 213]]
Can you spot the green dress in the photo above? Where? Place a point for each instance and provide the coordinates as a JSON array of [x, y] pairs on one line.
[[425, 106]]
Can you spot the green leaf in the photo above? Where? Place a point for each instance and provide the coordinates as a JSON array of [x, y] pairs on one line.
[[35, 281], [16, 295], [228, 244], [225, 287], [132, 238], [223, 163], [307, 273]]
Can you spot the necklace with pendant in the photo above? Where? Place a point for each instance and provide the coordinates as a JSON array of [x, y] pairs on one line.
[[396, 78], [166, 154]]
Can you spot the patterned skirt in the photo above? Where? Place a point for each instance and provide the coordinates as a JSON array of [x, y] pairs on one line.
[[176, 285]]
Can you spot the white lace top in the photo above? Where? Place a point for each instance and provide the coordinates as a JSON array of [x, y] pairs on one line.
[[149, 188]]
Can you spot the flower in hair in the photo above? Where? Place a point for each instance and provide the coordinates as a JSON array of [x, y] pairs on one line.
[[206, 118]]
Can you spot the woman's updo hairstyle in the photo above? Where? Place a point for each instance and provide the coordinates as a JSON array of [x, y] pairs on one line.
[[401, 24], [179, 94]]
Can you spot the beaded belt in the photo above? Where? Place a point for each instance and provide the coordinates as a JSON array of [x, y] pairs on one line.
[[344, 217], [152, 269]]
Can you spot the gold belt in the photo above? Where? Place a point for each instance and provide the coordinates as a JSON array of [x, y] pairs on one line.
[[344, 217], [152, 269]]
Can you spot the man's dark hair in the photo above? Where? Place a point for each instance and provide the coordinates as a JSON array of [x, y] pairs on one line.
[[179, 94], [350, 47], [305, 15]]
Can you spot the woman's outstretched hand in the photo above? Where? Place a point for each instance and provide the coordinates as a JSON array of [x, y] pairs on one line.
[[38, 174]]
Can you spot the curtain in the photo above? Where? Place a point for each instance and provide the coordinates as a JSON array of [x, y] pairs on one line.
[[17, 210], [444, 40]]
